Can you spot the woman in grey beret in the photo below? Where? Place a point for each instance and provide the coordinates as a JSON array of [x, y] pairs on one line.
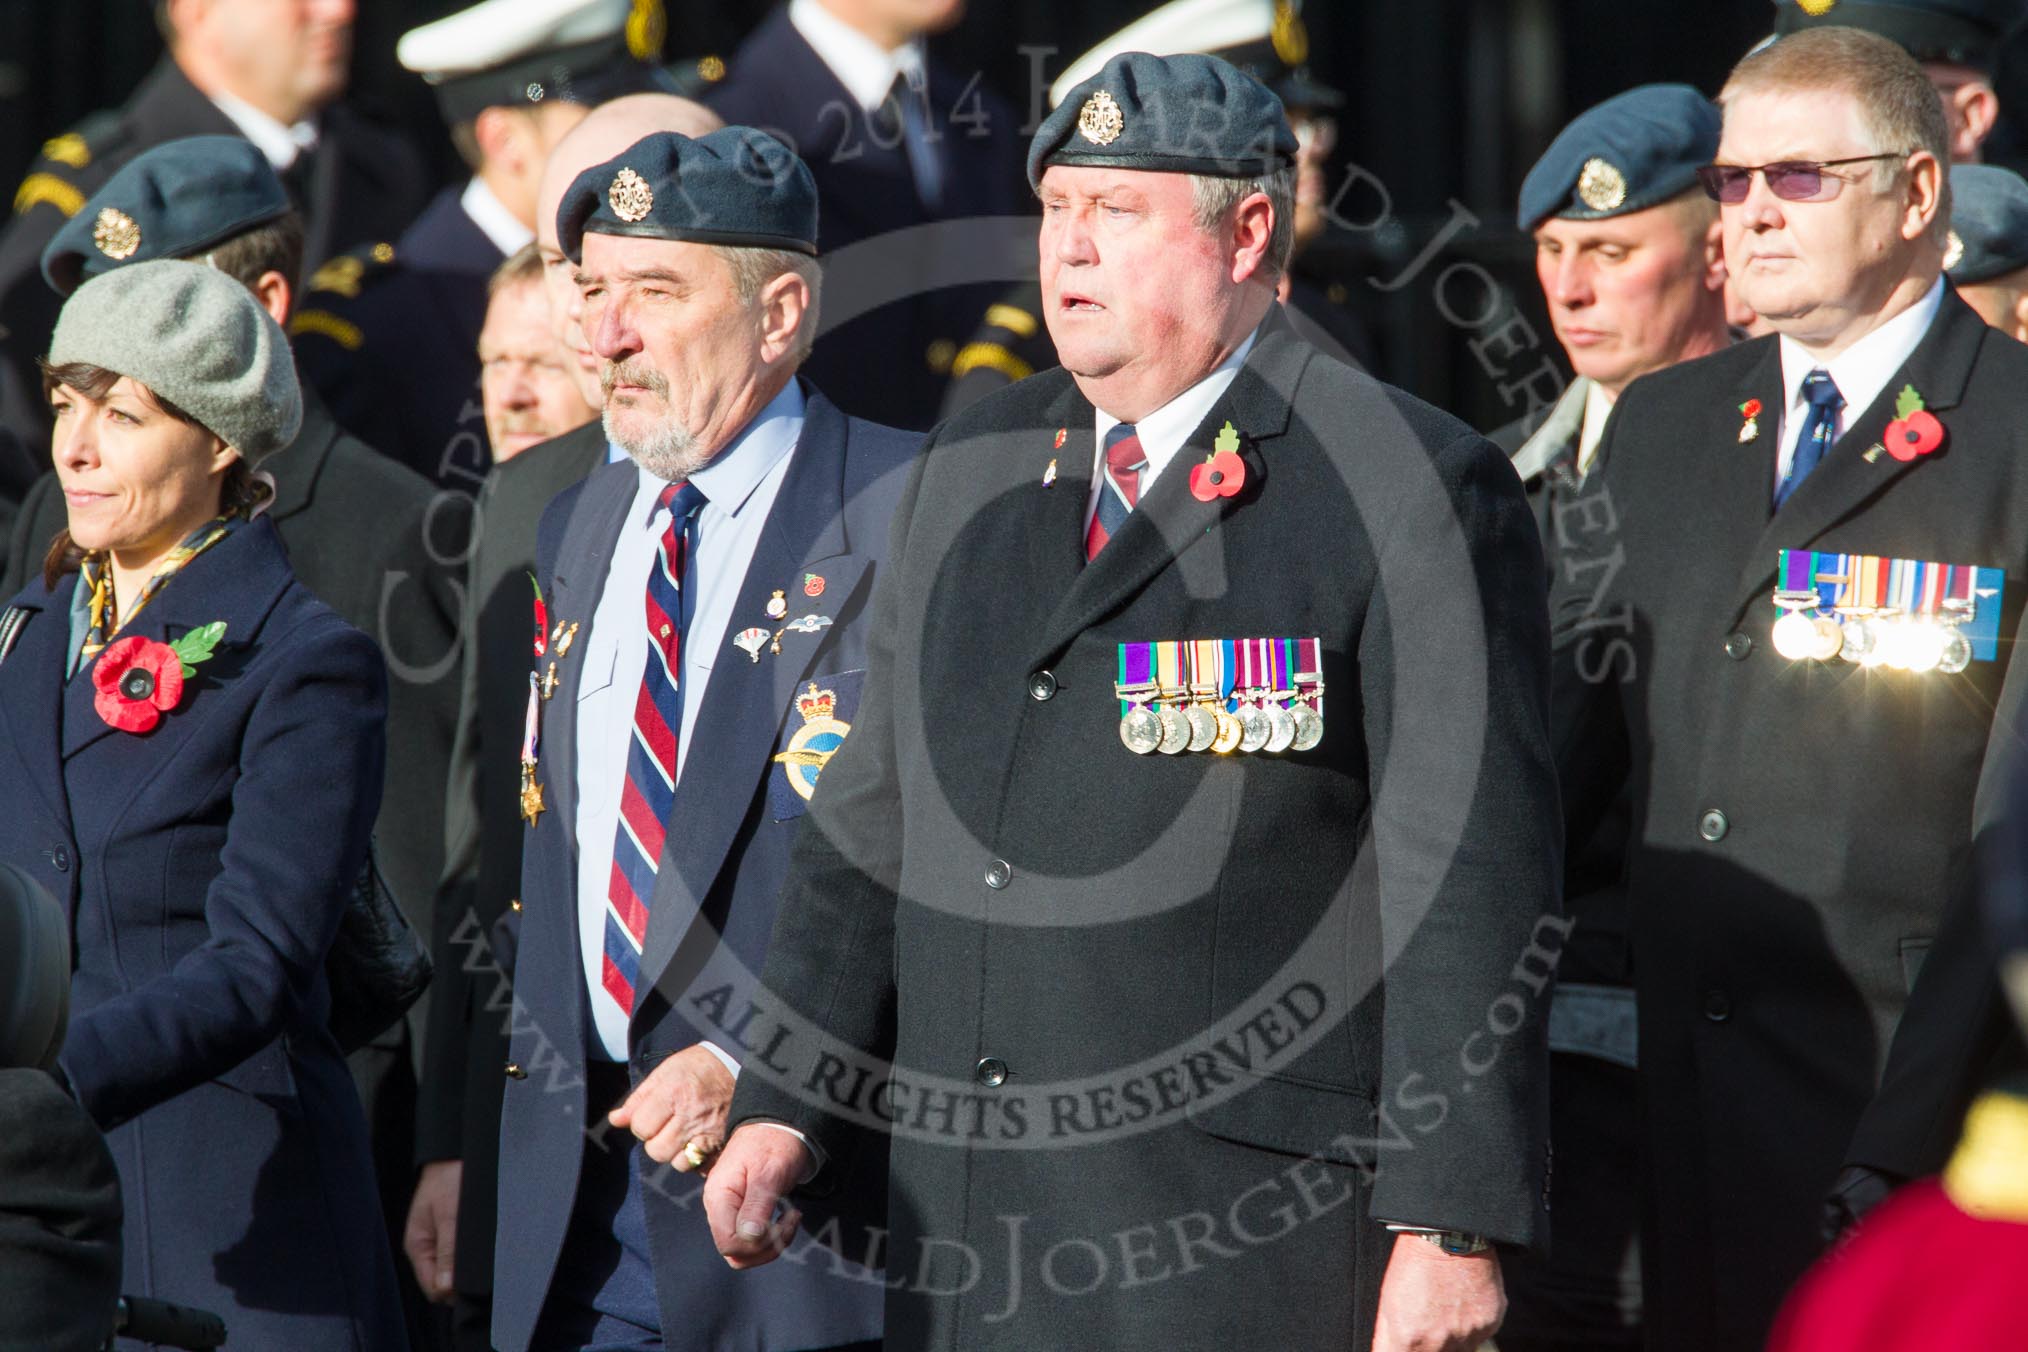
[[191, 749]]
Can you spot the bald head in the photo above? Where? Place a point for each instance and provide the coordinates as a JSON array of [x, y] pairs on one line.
[[609, 129]]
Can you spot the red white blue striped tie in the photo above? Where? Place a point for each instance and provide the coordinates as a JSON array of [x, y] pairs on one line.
[[650, 792], [1119, 488]]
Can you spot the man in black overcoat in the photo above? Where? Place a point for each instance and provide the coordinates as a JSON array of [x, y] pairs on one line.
[[1188, 1050], [1803, 787]]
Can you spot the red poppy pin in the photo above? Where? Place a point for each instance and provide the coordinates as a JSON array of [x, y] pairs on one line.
[[1223, 473], [812, 585], [1915, 430], [541, 619], [138, 679], [1749, 429], [1061, 434]]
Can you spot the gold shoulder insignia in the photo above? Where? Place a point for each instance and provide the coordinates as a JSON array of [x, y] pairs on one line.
[[711, 69], [69, 148], [993, 357], [342, 332], [48, 188], [341, 276], [1012, 318], [647, 29]]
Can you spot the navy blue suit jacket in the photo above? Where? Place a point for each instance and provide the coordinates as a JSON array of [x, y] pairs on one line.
[[714, 905], [205, 865]]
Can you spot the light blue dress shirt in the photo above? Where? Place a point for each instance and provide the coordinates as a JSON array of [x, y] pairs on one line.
[[739, 485]]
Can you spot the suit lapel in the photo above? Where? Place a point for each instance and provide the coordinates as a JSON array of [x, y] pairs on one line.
[[34, 678], [1170, 519], [1055, 528], [583, 558], [745, 702], [1847, 479]]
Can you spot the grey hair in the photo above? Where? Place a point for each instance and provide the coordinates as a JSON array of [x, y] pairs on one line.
[[1215, 199], [753, 269]]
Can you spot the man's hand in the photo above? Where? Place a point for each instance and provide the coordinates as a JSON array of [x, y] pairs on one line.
[[1432, 1301], [681, 1103], [756, 1170], [430, 1237]]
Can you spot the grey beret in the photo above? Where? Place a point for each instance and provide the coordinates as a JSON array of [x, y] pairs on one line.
[[1989, 224], [195, 337]]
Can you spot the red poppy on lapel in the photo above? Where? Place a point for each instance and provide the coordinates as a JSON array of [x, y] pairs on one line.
[[1223, 473], [1915, 430], [541, 619], [1750, 428], [136, 680]]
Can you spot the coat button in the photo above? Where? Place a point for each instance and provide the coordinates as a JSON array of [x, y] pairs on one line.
[[991, 1072], [998, 874], [1717, 1007], [1737, 646], [515, 1072], [1042, 686], [61, 858], [1713, 826]]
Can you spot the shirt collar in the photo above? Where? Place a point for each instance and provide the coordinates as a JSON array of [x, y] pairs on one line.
[[493, 218], [1598, 406], [279, 142], [734, 473], [1862, 370], [863, 66], [1162, 432]]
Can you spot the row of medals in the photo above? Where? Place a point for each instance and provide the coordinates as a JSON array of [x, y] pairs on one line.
[[1199, 721], [1873, 638]]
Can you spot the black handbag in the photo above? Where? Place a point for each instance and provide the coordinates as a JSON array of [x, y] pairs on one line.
[[377, 966]]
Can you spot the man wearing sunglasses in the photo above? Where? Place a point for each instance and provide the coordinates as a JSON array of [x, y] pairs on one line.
[[1628, 253], [1801, 803]]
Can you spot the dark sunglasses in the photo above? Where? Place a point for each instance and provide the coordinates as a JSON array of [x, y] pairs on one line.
[[1790, 180]]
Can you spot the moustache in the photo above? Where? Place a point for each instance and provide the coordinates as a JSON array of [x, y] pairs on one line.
[[634, 373]]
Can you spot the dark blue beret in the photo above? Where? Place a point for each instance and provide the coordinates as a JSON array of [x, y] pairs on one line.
[[173, 201], [1185, 114], [737, 186], [1634, 151], [1989, 223], [1964, 32]]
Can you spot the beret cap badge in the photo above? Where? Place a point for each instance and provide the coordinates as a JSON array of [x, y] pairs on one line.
[[1954, 251], [631, 197], [116, 234], [1816, 8], [1600, 186], [1100, 121]]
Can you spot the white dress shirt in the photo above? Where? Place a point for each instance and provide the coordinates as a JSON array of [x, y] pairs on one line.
[[1598, 407], [1162, 432], [1860, 372], [739, 485], [279, 142], [493, 218]]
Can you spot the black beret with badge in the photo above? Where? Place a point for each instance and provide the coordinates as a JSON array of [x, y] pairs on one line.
[[1634, 151], [173, 201], [737, 187], [1182, 114], [520, 53], [1989, 224], [1961, 32]]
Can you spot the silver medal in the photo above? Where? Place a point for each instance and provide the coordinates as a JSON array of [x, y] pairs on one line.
[[1309, 728], [1203, 727], [1957, 654], [1284, 729], [1255, 729], [1141, 730], [1175, 733], [1858, 639]]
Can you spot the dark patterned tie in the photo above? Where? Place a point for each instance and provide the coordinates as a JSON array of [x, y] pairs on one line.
[[649, 794], [1820, 429]]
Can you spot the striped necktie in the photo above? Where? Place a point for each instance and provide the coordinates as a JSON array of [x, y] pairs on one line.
[[1119, 488], [649, 794], [1820, 429]]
